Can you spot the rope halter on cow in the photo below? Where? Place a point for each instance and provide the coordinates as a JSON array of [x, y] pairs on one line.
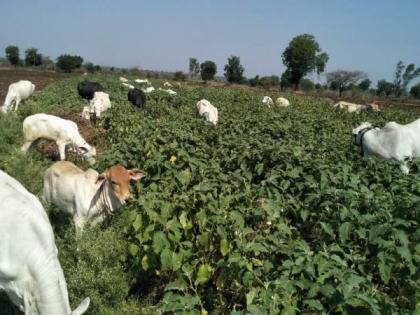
[[362, 133], [105, 197]]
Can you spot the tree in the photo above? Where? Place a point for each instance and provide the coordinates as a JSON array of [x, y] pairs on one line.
[[12, 54], [403, 77], [208, 70], [48, 63], [286, 80], [365, 84], [270, 81], [179, 76], [384, 87], [303, 56], [254, 81], [32, 57], [194, 68], [68, 63], [342, 79], [415, 91], [234, 70], [306, 85]]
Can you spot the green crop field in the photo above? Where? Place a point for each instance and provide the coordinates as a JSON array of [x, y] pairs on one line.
[[271, 212]]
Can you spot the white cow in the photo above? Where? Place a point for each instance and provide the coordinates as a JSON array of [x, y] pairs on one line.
[[350, 107], [122, 79], [30, 271], [62, 131], [88, 196], [18, 91], [206, 109], [169, 91], [140, 81], [127, 85], [267, 100], [393, 141], [167, 84], [282, 102], [149, 89], [98, 105]]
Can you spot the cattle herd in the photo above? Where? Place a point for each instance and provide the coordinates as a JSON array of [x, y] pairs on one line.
[[30, 272]]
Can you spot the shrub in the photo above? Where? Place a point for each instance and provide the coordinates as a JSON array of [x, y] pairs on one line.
[[68, 63]]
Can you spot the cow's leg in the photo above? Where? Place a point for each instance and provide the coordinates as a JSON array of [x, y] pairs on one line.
[[97, 220], [404, 168], [17, 102], [62, 150], [26, 146], [79, 223]]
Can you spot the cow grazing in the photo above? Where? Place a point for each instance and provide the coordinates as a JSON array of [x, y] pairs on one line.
[[127, 85], [267, 100], [140, 81], [282, 102], [137, 97], [87, 89], [149, 89], [392, 142], [18, 92], [122, 79], [169, 91], [167, 84], [350, 107], [98, 105], [88, 196], [206, 109], [30, 271], [62, 131]]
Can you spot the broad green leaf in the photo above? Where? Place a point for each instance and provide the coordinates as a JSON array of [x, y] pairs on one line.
[[203, 274], [166, 259], [224, 247], [344, 231], [137, 224]]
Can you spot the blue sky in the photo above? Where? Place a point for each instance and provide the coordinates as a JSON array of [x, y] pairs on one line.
[[369, 35]]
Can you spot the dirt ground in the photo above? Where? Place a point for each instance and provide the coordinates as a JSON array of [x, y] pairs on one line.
[[39, 78], [86, 130]]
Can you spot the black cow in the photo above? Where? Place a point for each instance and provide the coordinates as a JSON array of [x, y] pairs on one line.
[[137, 97], [87, 89]]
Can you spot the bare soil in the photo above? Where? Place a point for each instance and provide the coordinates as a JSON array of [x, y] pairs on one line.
[[40, 78]]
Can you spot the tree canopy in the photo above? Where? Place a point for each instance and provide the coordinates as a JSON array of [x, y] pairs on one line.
[[303, 56], [342, 79], [234, 70], [208, 70]]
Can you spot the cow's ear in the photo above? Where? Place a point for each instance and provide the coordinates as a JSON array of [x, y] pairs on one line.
[[136, 174], [102, 176]]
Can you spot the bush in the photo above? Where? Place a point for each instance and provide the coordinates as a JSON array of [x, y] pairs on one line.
[[68, 63], [179, 76], [306, 85], [415, 91]]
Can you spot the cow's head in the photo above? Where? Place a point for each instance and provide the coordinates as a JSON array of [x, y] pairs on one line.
[[359, 131], [118, 179], [88, 152]]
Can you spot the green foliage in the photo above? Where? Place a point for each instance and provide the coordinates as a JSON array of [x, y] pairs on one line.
[[272, 212], [179, 76], [303, 56], [415, 91], [365, 84], [32, 57], [194, 68], [342, 80], [12, 54], [234, 70], [306, 85], [208, 70], [68, 63], [254, 81], [403, 76], [384, 88]]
